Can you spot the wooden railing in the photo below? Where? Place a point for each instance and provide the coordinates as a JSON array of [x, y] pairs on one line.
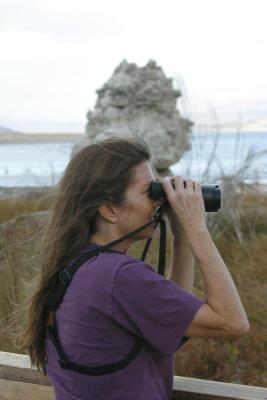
[[18, 381]]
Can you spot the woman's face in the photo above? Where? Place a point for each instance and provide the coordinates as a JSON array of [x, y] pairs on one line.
[[138, 208]]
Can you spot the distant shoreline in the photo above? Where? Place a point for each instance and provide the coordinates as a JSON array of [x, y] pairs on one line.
[[205, 129], [32, 138], [20, 138]]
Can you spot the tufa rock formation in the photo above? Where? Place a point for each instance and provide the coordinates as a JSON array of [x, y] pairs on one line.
[[141, 102]]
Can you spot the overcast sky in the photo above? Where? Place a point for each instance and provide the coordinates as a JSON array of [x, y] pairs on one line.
[[54, 54]]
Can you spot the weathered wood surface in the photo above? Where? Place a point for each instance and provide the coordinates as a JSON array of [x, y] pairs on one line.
[[18, 381], [198, 389], [14, 390], [17, 367]]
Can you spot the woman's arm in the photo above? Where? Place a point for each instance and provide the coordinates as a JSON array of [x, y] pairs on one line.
[[224, 309], [182, 266], [223, 313]]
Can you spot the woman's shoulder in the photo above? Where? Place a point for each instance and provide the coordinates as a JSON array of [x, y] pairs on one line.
[[125, 263], [114, 261]]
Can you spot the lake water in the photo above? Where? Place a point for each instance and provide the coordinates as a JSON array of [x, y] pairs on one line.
[[225, 154], [42, 164], [33, 164]]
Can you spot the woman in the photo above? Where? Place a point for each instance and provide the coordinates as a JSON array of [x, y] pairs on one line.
[[115, 300]]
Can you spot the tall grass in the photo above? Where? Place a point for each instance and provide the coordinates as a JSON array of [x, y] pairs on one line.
[[19, 235], [240, 233]]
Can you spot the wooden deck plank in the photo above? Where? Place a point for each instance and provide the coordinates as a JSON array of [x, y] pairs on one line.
[[17, 367], [18, 380], [13, 390], [205, 389]]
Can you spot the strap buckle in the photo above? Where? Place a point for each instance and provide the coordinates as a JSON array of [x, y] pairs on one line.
[[160, 211], [64, 277]]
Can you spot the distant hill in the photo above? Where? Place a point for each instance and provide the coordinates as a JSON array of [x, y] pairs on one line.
[[243, 115], [43, 126], [4, 130], [240, 115]]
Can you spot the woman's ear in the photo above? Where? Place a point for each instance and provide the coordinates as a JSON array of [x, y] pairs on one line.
[[108, 212]]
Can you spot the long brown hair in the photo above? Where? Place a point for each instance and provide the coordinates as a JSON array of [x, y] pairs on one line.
[[98, 173]]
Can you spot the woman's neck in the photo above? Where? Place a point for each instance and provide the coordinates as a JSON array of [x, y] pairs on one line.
[[102, 241]]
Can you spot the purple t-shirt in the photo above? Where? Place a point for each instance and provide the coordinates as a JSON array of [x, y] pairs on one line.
[[111, 299]]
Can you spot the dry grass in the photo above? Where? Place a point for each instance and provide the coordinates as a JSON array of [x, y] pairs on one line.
[[237, 360], [17, 247], [11, 207]]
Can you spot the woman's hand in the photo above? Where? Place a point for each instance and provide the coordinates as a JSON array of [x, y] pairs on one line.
[[175, 225], [187, 211]]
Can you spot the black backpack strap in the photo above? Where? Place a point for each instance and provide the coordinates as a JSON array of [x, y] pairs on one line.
[[64, 277], [62, 281], [83, 369], [54, 298]]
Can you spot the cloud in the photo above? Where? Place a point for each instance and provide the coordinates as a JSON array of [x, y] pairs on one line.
[[59, 22], [56, 53]]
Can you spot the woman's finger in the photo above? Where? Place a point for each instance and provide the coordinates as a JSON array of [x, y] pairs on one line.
[[190, 185], [179, 183]]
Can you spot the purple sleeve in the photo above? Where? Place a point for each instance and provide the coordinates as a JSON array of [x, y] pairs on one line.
[[152, 307]]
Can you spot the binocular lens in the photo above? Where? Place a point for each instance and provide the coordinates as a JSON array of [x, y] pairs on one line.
[[211, 194]]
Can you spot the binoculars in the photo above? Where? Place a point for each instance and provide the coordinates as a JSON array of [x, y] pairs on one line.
[[211, 194]]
